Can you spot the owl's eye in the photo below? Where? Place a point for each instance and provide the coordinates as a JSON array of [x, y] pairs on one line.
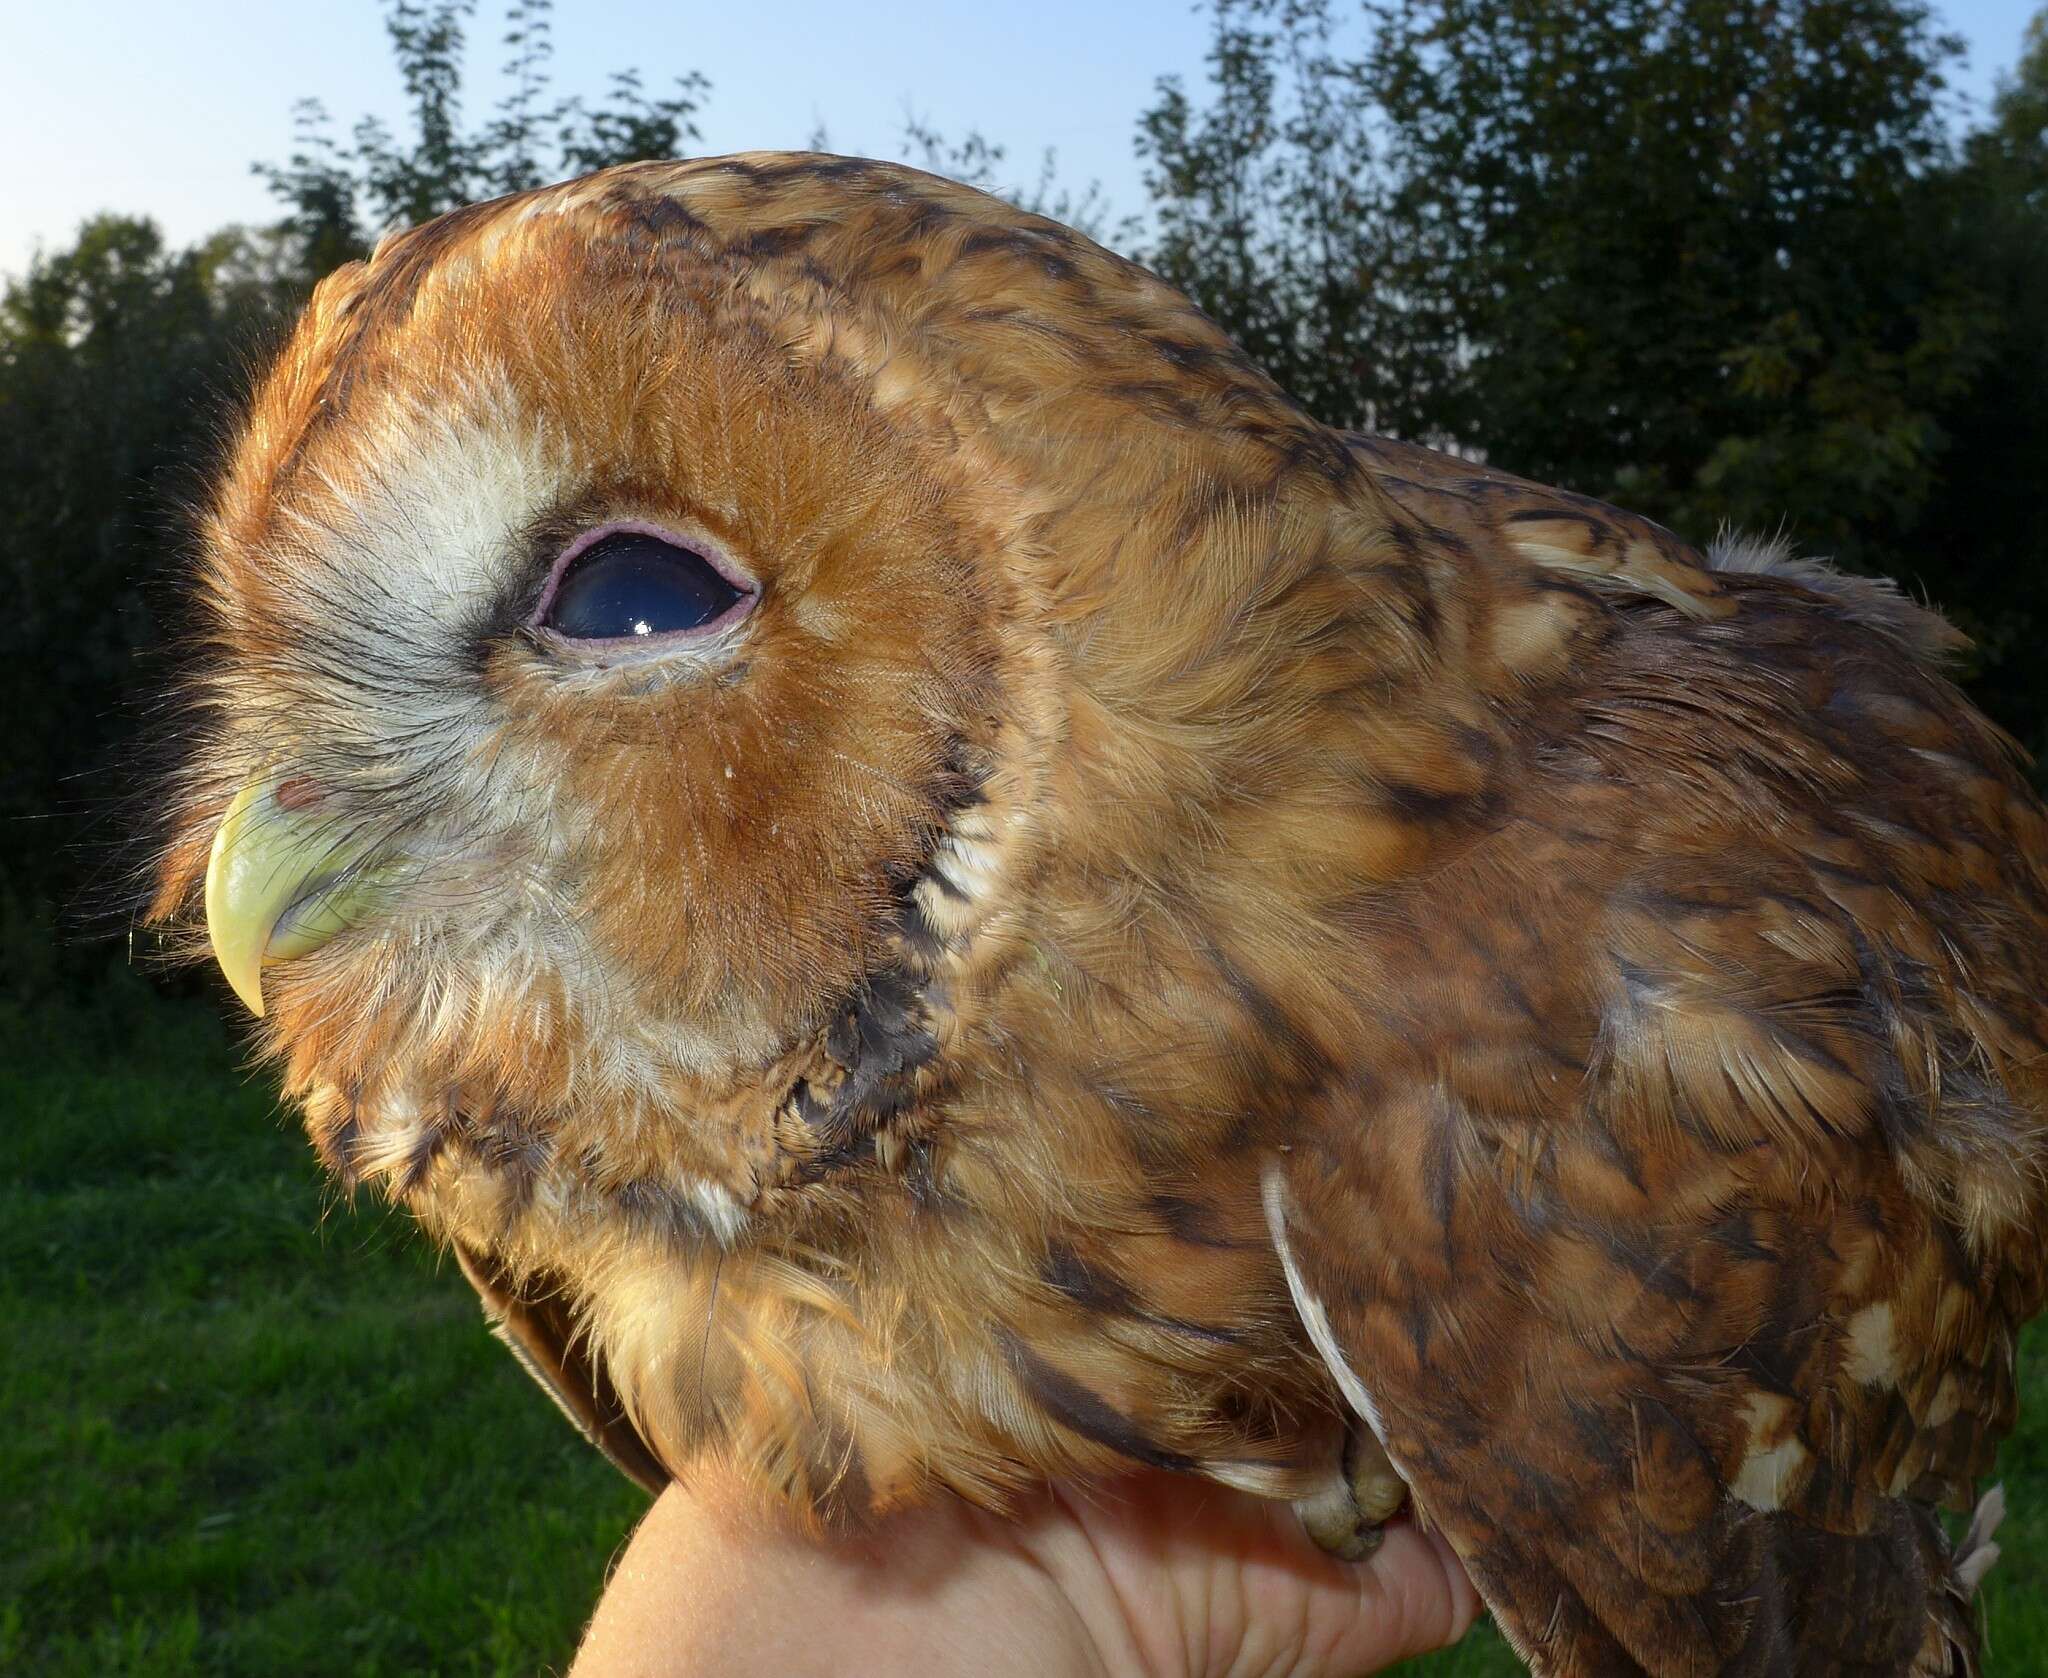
[[634, 584]]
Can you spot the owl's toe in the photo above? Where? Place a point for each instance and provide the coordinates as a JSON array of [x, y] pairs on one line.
[[1346, 1515], [1375, 1488]]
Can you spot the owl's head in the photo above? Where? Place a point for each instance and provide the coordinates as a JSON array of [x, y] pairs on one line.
[[644, 623]]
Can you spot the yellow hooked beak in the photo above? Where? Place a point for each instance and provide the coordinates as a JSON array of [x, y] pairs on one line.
[[283, 879]]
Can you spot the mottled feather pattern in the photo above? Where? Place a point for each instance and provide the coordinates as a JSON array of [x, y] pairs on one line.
[[857, 1051]]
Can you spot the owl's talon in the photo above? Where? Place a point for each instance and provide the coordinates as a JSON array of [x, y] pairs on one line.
[[1376, 1490], [1359, 1540], [1348, 1516]]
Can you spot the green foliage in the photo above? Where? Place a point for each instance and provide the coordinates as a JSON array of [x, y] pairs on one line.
[[336, 191], [1677, 247], [1269, 212], [114, 357], [1603, 243], [1979, 543]]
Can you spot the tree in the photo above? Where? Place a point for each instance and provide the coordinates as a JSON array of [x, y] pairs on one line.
[[1269, 211], [1979, 544], [115, 356], [338, 192], [1678, 244]]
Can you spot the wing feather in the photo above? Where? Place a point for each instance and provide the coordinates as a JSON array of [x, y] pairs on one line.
[[1678, 1225]]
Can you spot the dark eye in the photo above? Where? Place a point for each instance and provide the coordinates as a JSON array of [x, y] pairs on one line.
[[632, 584]]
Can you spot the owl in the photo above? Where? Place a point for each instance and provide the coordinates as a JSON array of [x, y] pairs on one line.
[[930, 885]]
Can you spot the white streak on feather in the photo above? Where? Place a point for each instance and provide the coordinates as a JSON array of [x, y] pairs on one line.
[[1769, 1474], [1869, 1350], [726, 1216], [1273, 1193]]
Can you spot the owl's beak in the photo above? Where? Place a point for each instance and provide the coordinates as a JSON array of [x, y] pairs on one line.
[[284, 878]]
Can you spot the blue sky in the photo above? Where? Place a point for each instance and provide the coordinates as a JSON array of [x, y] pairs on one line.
[[140, 106]]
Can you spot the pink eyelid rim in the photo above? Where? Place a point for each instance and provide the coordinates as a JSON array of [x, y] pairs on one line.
[[749, 589]]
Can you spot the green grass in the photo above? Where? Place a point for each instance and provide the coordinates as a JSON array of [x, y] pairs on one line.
[[248, 1428]]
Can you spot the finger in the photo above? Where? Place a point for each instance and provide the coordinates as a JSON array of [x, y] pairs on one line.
[[1337, 1619], [1417, 1598], [1210, 1580]]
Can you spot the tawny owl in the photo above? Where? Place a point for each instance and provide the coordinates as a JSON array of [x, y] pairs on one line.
[[934, 886]]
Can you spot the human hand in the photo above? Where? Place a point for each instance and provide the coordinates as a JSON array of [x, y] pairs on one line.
[[1155, 1576]]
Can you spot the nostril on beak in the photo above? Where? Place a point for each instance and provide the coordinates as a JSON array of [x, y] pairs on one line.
[[301, 792]]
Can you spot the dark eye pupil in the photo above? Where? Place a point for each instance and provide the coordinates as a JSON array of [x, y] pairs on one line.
[[634, 584]]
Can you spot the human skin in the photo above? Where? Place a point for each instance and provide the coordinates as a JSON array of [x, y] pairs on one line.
[[1157, 1576]]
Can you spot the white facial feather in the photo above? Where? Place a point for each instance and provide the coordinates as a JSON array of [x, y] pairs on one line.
[[387, 572]]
